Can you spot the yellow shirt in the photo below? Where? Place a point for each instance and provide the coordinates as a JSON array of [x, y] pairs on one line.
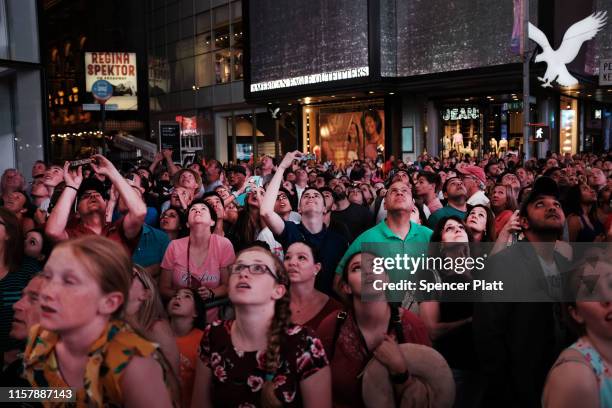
[[108, 357]]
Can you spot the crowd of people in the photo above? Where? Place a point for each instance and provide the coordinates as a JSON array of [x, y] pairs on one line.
[[242, 284]]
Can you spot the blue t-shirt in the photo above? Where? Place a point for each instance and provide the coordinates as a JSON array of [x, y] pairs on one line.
[[151, 247], [329, 244]]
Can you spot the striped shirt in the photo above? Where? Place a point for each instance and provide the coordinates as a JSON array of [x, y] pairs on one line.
[[11, 287]]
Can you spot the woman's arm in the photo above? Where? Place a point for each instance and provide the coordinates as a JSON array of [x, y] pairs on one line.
[[161, 333], [143, 385], [202, 386], [316, 389], [430, 314]]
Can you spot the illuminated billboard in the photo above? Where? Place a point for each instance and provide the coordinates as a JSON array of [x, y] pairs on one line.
[[295, 43], [118, 68]]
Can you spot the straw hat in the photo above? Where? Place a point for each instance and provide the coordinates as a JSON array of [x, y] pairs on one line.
[[431, 383]]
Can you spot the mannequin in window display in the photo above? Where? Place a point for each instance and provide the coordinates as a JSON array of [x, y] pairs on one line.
[[503, 146], [493, 145], [458, 141], [446, 143], [468, 150]]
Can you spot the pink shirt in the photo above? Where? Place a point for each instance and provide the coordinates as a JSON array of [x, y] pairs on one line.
[[220, 255]]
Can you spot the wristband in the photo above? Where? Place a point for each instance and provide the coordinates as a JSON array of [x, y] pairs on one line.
[[74, 188]]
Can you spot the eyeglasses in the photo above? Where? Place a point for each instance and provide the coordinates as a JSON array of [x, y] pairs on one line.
[[281, 197], [254, 269]]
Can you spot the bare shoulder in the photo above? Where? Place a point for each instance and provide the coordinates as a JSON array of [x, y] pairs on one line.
[[571, 381]]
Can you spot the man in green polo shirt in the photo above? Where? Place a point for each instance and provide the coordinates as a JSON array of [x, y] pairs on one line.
[[456, 195], [400, 235]]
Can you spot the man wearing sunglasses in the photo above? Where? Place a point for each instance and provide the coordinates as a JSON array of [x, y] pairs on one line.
[[90, 196]]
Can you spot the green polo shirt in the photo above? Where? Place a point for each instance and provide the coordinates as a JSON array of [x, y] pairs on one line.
[[443, 212], [381, 234]]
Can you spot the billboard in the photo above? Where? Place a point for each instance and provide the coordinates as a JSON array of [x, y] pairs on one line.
[[118, 68], [430, 36], [297, 43], [349, 136]]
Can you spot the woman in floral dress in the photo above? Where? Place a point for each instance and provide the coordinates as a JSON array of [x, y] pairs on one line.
[[260, 358]]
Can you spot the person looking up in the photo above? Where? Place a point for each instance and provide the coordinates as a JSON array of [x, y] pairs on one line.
[[311, 229], [91, 207], [456, 195], [280, 363], [82, 300]]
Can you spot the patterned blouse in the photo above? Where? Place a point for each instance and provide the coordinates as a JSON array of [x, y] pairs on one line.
[[238, 376], [108, 357], [600, 368]]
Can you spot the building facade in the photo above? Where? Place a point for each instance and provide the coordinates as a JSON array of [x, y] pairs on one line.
[[404, 77], [22, 127]]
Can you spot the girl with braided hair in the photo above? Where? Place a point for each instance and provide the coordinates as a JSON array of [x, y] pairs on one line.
[[260, 358]]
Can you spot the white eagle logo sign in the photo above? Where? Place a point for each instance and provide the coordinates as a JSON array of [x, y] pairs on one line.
[[556, 60]]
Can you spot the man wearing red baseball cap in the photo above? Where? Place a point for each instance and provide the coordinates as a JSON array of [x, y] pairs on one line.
[[475, 181]]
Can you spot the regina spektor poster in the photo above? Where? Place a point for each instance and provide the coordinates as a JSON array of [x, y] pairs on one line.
[[118, 68]]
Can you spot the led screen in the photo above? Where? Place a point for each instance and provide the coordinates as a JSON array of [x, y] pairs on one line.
[[297, 43]]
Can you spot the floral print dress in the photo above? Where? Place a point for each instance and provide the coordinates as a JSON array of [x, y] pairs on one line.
[[238, 377]]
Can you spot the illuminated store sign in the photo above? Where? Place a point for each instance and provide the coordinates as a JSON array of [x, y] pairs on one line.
[[461, 113], [118, 68], [311, 79]]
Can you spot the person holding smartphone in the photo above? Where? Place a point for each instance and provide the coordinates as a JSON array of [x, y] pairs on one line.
[[91, 201]]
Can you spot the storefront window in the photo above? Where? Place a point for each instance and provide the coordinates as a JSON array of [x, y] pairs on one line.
[[237, 45], [204, 70]]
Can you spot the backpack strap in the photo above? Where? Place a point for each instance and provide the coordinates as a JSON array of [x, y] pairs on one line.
[[340, 319]]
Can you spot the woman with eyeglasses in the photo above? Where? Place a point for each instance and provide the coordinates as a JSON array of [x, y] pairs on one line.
[[171, 222], [308, 306], [187, 317], [369, 328], [198, 261], [450, 323], [145, 312], [260, 358], [82, 341]]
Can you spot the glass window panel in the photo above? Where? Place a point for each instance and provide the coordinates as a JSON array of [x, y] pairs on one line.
[[203, 43], [188, 73], [203, 22], [204, 70], [236, 10], [221, 15], [202, 5], [237, 36], [184, 48], [187, 27], [222, 66], [237, 61], [172, 32], [222, 37]]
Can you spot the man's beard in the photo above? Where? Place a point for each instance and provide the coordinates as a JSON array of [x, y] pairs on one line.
[[339, 196], [542, 228]]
